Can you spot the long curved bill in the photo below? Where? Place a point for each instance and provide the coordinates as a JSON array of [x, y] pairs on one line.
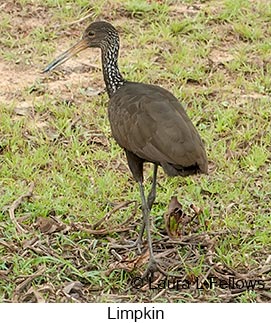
[[78, 47]]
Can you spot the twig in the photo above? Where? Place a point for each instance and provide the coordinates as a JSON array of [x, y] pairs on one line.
[[117, 229], [80, 20], [158, 295], [109, 214], [131, 216], [206, 275], [19, 289], [266, 294], [15, 205], [116, 255], [11, 247]]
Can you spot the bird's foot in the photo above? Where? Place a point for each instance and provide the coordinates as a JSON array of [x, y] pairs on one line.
[[130, 246], [153, 266]]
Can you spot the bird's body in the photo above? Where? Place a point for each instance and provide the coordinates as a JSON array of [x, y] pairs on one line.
[[147, 121]]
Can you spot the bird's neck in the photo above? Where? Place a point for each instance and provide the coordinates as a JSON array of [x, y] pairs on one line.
[[112, 77]]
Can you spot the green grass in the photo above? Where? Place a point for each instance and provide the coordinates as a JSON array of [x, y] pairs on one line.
[[61, 140]]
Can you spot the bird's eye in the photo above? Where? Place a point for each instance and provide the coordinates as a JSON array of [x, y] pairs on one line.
[[91, 33]]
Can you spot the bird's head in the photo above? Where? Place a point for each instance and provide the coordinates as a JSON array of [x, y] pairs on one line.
[[99, 34]]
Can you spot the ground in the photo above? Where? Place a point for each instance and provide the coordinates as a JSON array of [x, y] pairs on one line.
[[66, 193]]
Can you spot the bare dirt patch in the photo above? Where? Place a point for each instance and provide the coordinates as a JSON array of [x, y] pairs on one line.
[[13, 81]]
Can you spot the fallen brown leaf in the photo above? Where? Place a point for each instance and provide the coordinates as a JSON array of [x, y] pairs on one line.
[[49, 225], [129, 265], [74, 290], [175, 211], [33, 296], [24, 284]]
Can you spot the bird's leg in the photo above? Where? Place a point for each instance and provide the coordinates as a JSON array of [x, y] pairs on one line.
[[152, 266], [151, 199], [152, 194]]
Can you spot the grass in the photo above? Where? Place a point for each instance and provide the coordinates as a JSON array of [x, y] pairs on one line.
[[215, 57]]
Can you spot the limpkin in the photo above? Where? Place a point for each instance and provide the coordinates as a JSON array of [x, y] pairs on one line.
[[147, 121]]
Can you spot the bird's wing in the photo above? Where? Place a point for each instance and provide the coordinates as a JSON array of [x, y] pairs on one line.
[[156, 129]]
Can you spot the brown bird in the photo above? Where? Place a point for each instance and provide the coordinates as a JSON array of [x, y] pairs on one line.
[[147, 121]]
